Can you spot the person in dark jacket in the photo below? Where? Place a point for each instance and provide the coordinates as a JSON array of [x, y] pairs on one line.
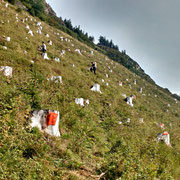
[[93, 67]]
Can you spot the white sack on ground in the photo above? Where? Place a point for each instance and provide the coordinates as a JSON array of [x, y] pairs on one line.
[[120, 83], [129, 100], [4, 47], [45, 56], [62, 52], [30, 32], [27, 27], [7, 71], [57, 59], [38, 23], [81, 101], [50, 43], [124, 95], [161, 125], [96, 88], [56, 79], [39, 31], [8, 39], [141, 120], [164, 137], [78, 50], [140, 90], [47, 121]]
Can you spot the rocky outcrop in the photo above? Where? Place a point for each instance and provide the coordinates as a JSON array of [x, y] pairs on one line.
[[49, 10], [20, 5]]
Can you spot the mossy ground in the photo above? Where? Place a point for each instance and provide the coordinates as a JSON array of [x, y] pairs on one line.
[[92, 140]]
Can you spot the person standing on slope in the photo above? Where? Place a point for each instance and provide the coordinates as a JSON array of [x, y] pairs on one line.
[[44, 47], [94, 66]]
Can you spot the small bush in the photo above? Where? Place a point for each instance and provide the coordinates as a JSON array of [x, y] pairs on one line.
[[11, 1], [19, 10]]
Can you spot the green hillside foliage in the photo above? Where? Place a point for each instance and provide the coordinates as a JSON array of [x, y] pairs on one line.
[[93, 144], [44, 11]]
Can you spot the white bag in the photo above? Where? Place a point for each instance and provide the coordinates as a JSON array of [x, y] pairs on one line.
[[6, 70], [47, 121]]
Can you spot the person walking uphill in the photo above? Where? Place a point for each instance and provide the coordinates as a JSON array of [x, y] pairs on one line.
[[93, 67]]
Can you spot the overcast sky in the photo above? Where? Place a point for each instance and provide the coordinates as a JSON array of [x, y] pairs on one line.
[[149, 31]]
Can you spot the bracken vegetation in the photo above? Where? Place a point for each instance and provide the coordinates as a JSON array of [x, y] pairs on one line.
[[93, 143]]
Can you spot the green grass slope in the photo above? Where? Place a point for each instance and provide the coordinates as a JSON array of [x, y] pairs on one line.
[[93, 145]]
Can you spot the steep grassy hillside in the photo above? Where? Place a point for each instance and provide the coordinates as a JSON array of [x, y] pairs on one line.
[[93, 141]]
